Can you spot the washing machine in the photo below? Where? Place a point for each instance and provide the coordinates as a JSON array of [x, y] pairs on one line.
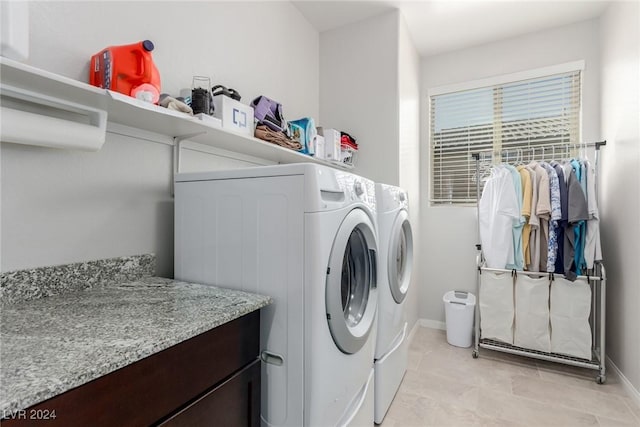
[[396, 260], [305, 235]]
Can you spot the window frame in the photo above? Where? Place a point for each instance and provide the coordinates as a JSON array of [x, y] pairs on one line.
[[536, 73]]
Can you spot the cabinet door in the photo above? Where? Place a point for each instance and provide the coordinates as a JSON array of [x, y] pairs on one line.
[[235, 402]]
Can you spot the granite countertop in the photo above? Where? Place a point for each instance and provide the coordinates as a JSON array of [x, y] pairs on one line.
[[51, 345]]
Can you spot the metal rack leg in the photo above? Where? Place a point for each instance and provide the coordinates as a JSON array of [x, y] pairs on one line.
[[476, 338], [476, 344], [603, 325], [476, 347]]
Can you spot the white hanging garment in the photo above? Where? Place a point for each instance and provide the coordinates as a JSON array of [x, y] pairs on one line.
[[592, 247], [532, 313], [498, 210], [496, 306], [570, 309]]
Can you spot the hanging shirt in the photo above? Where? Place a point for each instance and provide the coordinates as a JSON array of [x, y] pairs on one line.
[[518, 258], [580, 228], [582, 262], [592, 248], [543, 212], [567, 172], [564, 212], [575, 165], [583, 179], [527, 195], [498, 210], [556, 215], [534, 223], [577, 214]]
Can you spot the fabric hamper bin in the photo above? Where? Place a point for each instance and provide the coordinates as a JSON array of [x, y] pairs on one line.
[[532, 313], [496, 306], [570, 310]]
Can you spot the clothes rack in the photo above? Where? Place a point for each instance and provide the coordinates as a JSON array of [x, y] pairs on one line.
[[596, 278]]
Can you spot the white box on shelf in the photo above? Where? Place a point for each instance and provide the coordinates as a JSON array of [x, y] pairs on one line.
[[319, 147], [331, 144], [235, 115]]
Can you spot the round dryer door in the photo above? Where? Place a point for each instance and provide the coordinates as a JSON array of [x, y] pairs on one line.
[[351, 294], [400, 260]]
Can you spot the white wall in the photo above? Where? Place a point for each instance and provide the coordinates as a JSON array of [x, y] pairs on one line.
[[620, 183], [257, 48], [359, 81], [448, 234], [409, 147], [66, 206]]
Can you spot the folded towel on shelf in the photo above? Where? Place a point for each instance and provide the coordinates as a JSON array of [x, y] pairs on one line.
[[267, 134], [172, 103], [347, 141]]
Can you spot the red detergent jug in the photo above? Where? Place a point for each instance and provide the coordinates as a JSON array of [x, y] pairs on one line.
[[127, 69]]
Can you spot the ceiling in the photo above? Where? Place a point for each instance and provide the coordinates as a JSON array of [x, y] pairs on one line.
[[438, 26]]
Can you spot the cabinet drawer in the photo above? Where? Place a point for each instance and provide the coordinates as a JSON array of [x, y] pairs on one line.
[[235, 402], [147, 391]]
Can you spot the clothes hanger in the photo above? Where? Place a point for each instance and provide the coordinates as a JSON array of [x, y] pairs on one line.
[[532, 155], [584, 151]]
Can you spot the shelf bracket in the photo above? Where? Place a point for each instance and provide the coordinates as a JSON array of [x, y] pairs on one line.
[[177, 146]]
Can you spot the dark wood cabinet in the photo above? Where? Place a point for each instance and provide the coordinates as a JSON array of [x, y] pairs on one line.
[[210, 379], [235, 402]]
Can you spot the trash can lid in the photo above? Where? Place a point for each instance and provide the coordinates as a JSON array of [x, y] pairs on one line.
[[459, 297]]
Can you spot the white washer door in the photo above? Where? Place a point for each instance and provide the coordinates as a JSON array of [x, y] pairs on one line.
[[400, 259], [351, 293]]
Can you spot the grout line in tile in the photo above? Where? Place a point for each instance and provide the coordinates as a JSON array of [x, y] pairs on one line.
[[628, 402], [526, 399], [560, 404]]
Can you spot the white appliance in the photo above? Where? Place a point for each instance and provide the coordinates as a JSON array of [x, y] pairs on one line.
[[396, 260], [305, 235]]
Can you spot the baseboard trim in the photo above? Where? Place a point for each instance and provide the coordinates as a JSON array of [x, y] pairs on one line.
[[633, 393], [433, 324], [412, 332]]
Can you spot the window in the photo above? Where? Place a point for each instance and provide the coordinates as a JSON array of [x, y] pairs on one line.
[[502, 121]]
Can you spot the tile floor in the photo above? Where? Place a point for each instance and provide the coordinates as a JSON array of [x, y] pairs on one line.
[[445, 386]]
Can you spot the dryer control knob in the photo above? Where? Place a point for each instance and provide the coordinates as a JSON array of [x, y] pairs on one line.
[[403, 197], [357, 187]]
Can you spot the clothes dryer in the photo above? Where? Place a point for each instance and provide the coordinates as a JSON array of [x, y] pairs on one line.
[[396, 261], [305, 235]]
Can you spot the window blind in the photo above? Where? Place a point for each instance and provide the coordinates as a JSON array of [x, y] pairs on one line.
[[504, 120]]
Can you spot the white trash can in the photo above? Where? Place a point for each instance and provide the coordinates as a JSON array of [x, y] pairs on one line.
[[459, 309]]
